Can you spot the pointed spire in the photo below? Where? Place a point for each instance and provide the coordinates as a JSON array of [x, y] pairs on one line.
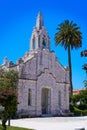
[[39, 35], [39, 21]]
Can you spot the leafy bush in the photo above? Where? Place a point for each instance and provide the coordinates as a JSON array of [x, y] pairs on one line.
[[78, 103], [79, 112], [71, 108]]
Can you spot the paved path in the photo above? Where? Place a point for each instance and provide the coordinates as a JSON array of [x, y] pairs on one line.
[[52, 123]]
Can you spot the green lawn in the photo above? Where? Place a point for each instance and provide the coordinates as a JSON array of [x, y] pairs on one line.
[[14, 128]]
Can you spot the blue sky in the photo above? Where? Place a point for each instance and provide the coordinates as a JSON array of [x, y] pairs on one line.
[[18, 17]]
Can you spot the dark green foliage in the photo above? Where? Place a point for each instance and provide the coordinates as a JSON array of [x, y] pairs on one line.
[[68, 35], [83, 99], [79, 112], [79, 103]]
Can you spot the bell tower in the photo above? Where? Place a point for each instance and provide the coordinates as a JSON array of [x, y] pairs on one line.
[[39, 38]]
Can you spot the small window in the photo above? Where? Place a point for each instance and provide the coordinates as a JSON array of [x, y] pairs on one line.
[[29, 97], [59, 99]]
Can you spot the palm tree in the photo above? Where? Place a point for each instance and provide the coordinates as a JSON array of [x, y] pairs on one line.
[[70, 37]]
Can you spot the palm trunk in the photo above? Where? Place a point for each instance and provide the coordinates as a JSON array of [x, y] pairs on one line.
[[70, 70]]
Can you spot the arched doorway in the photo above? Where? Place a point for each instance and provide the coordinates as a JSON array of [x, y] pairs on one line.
[[46, 100]]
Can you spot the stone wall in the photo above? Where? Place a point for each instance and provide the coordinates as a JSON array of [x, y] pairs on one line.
[[23, 87]]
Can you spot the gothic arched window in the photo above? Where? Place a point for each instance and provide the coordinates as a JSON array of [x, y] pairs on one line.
[[59, 98], [44, 42], [29, 97]]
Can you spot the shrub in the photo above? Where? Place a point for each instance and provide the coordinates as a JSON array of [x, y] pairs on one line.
[[79, 112]]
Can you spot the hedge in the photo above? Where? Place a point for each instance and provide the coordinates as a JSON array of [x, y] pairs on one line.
[[79, 112]]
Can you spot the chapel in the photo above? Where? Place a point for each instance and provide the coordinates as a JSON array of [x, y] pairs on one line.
[[43, 85]]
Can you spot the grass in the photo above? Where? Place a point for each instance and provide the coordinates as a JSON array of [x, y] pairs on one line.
[[14, 128]]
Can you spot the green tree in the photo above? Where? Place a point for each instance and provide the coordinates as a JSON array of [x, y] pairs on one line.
[[80, 100], [70, 37], [8, 94], [83, 99], [85, 83]]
